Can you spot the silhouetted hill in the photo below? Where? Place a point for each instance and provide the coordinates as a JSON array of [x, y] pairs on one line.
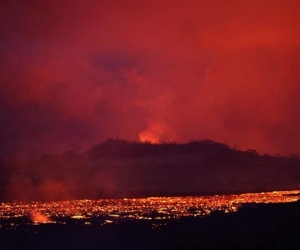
[[209, 149], [125, 149], [119, 168]]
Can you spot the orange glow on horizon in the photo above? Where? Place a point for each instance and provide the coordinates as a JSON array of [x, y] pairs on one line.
[[146, 136], [154, 134]]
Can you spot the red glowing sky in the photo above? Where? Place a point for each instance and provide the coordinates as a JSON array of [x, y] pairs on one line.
[[76, 72]]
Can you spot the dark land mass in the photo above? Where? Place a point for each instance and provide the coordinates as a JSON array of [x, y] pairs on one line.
[[118, 168], [263, 226]]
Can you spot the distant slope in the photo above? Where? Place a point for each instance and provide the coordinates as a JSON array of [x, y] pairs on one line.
[[118, 168]]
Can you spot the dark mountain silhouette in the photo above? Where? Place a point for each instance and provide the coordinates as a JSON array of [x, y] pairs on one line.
[[119, 168]]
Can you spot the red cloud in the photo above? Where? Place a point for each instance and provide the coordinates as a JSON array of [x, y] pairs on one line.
[[75, 73]]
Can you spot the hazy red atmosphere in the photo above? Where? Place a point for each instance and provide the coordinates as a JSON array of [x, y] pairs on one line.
[[76, 72]]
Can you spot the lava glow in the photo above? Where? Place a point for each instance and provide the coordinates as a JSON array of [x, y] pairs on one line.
[[150, 135], [155, 133], [110, 211], [145, 136], [37, 217]]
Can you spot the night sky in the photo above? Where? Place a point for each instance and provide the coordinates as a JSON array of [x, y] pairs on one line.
[[75, 72]]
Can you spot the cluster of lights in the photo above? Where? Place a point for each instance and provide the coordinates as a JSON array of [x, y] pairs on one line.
[[153, 208]]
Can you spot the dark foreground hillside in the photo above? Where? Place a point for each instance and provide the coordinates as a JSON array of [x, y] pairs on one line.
[[118, 168], [260, 226]]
